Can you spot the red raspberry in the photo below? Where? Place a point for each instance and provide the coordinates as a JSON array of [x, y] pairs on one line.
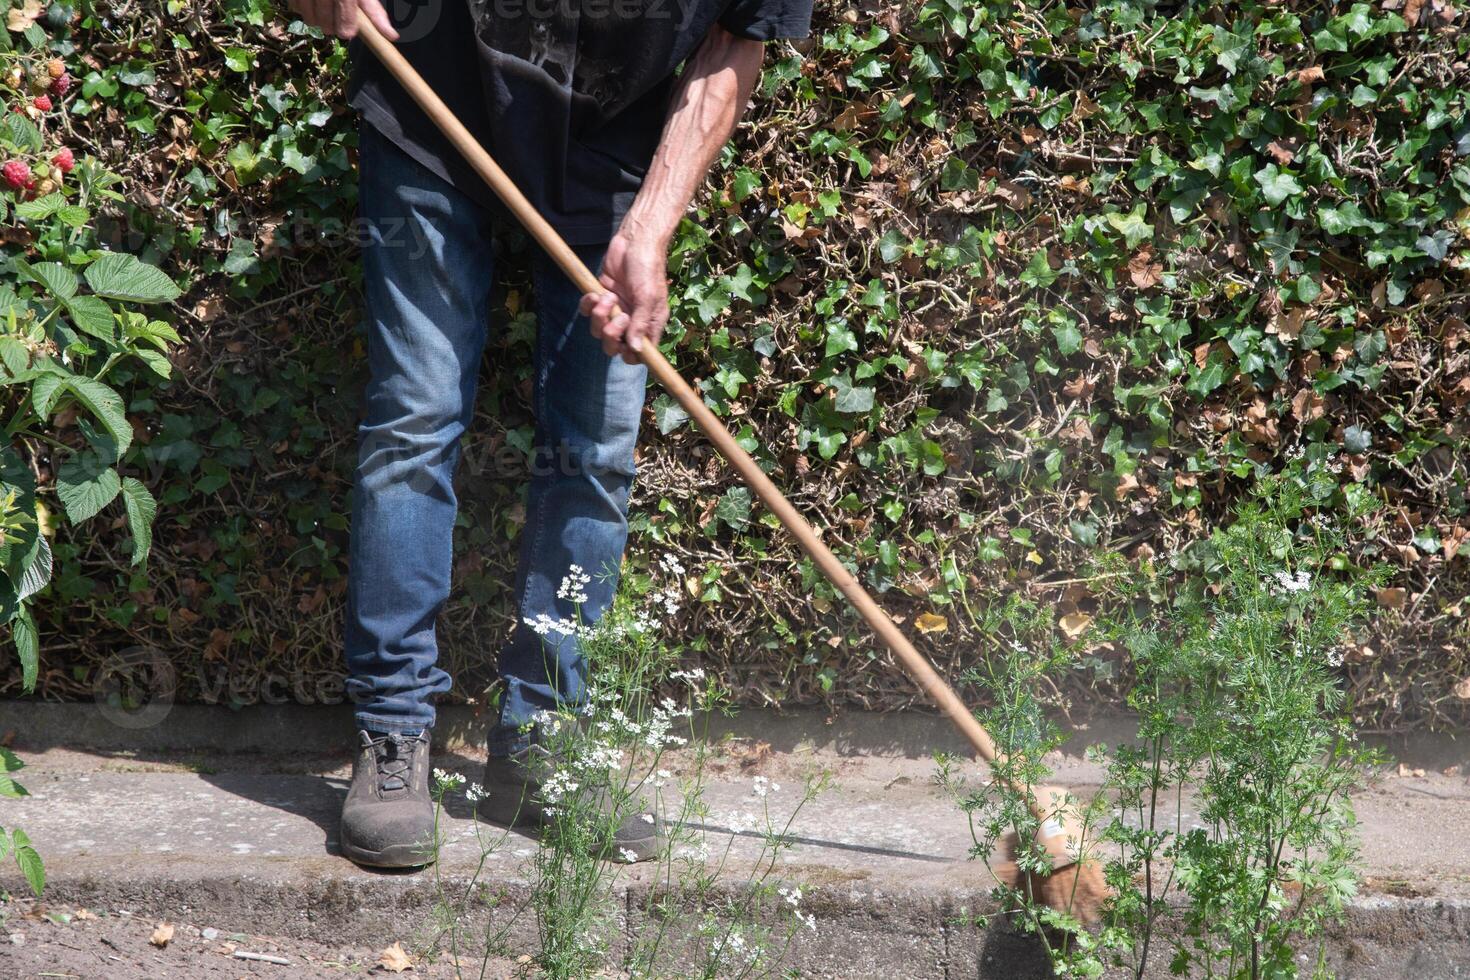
[[61, 83], [16, 174], [64, 160], [42, 102]]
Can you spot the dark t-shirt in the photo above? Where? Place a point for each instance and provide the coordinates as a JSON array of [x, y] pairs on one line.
[[569, 96]]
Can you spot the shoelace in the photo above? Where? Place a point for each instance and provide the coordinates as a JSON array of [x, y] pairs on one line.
[[393, 754]]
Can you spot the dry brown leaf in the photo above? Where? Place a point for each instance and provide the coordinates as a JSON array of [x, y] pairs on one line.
[[1308, 406], [395, 959], [1074, 185], [927, 623], [1394, 598], [1259, 427], [1453, 541], [1281, 152], [1079, 387], [21, 18], [1074, 625], [208, 308], [852, 116], [1309, 75], [84, 914], [1143, 270], [1289, 326], [1013, 194], [162, 934], [1127, 483]]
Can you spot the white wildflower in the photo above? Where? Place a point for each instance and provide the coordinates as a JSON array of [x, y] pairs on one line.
[[574, 585], [447, 780], [474, 792], [1298, 582], [742, 823], [543, 625], [557, 786], [628, 855]]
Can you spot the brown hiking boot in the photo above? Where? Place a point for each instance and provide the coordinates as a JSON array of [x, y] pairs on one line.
[[388, 816], [514, 798]]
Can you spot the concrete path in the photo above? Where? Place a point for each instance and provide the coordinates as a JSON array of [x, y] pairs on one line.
[[245, 845]]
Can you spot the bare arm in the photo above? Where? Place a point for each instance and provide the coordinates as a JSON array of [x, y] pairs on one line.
[[709, 98], [339, 17]]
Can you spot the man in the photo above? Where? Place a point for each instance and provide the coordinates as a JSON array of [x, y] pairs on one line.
[[584, 104]]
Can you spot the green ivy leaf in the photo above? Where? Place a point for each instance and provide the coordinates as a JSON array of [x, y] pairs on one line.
[[1276, 184], [1038, 273], [851, 399], [668, 414], [745, 183], [1131, 226], [892, 246], [1069, 338], [734, 507], [1230, 49], [239, 59]]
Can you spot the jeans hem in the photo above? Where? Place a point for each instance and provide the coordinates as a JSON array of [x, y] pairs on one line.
[[390, 726]]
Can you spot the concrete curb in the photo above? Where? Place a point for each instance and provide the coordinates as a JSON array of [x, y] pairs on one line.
[[914, 734], [861, 932]]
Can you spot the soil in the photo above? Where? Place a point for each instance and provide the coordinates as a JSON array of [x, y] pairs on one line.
[[42, 942]]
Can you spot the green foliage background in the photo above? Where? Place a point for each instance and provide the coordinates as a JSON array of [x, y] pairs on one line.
[[991, 287]]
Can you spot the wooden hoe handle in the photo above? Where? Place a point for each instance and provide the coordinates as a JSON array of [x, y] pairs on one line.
[[914, 662]]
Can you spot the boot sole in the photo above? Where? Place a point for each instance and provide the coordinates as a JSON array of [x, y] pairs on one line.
[[392, 856]]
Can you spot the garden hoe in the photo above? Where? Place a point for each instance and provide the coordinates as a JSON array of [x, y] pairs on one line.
[[1074, 882]]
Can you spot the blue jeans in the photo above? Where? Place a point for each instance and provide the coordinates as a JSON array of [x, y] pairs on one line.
[[427, 271]]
